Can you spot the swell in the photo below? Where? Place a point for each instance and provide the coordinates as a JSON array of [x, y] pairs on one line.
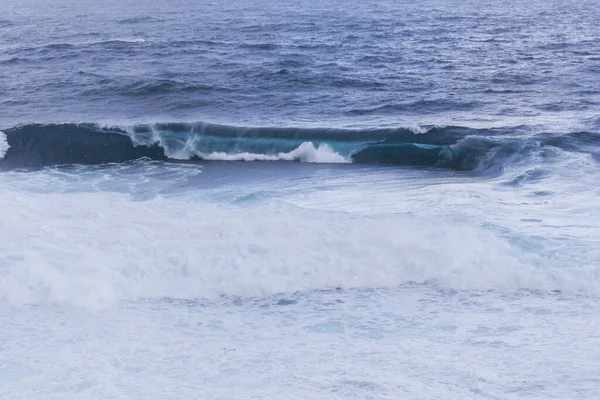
[[452, 147]]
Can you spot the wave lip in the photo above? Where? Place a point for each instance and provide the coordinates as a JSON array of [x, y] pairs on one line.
[[450, 147]]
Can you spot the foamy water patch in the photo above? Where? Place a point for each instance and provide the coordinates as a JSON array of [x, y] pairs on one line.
[[306, 152], [126, 40], [4, 146], [340, 344], [94, 249]]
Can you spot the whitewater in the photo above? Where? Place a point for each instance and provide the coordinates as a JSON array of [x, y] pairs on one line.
[[337, 282], [274, 200]]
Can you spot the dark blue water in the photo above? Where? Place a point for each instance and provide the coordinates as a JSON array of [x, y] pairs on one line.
[[330, 64], [389, 71]]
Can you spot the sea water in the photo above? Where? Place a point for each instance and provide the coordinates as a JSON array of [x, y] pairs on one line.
[[283, 200]]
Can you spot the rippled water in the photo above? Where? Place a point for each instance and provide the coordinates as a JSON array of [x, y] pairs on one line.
[[281, 62]]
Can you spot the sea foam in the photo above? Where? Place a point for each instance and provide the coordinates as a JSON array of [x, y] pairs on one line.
[[93, 249], [306, 152], [3, 144]]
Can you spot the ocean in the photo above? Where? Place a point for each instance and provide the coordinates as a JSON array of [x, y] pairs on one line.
[[299, 200]]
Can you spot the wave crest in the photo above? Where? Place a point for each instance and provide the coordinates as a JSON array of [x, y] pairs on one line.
[[455, 148], [3, 144], [306, 152]]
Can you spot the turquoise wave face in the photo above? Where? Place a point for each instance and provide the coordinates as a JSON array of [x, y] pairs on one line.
[[453, 148]]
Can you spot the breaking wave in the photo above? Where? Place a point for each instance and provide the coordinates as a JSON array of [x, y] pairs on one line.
[[452, 147]]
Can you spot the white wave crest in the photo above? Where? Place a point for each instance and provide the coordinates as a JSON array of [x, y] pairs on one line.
[[306, 152], [4, 146], [417, 129], [184, 150]]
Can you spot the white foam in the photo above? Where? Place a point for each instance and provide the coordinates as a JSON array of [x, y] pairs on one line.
[[125, 40], [4, 146], [412, 343], [417, 129], [92, 249], [306, 152]]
